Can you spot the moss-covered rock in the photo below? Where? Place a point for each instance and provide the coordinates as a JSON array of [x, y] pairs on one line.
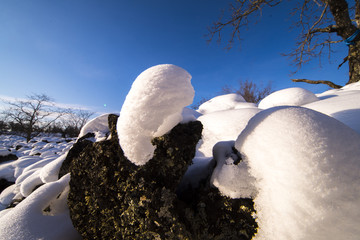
[[8, 157], [4, 184], [111, 198]]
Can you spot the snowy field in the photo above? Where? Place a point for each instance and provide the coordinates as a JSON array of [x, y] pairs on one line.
[[297, 155]]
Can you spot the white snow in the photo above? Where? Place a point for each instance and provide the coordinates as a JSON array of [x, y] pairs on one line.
[[224, 102], [231, 176], [50, 172], [4, 152], [189, 115], [153, 107], [222, 126], [99, 126], [300, 162], [29, 221], [288, 97], [307, 171], [342, 104]]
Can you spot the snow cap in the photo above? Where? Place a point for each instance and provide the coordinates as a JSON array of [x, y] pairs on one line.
[[306, 166], [224, 102], [152, 108], [288, 97]]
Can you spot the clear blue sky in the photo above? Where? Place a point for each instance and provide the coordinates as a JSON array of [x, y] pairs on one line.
[[89, 52]]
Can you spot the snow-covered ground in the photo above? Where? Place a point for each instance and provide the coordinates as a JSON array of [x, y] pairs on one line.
[[297, 154], [43, 214]]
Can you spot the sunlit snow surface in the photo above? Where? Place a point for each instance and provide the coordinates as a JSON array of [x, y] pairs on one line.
[[305, 165], [39, 163], [224, 102], [153, 106], [300, 162], [99, 126], [307, 171], [288, 97]]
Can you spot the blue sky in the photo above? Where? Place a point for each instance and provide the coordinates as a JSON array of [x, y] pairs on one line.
[[88, 52]]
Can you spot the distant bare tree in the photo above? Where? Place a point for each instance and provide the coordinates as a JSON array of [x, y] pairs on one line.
[[322, 24], [250, 91], [3, 126], [74, 121], [33, 115]]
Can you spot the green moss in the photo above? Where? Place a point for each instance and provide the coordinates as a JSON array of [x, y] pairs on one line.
[[111, 198]]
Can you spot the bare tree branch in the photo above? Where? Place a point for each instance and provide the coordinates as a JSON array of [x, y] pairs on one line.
[[322, 24], [328, 29], [344, 61], [240, 12], [329, 83]]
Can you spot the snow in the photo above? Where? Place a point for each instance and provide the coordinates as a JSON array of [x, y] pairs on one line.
[[231, 176], [29, 221], [189, 115], [4, 152], [296, 156], [288, 97], [342, 104], [99, 126], [222, 126], [50, 172], [307, 167], [224, 102], [152, 107]]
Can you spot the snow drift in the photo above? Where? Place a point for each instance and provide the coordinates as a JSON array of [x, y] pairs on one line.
[[224, 102], [152, 108], [301, 167], [306, 167], [288, 97]]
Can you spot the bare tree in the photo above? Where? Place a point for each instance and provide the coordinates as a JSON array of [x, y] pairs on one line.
[[322, 24], [3, 126], [250, 91], [74, 121], [32, 115]]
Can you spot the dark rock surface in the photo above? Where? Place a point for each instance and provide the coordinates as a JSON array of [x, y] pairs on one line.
[[82, 143], [77, 148], [111, 198], [8, 157], [4, 184]]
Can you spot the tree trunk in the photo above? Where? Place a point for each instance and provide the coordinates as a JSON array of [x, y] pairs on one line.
[[345, 28], [354, 63], [28, 135], [354, 51]]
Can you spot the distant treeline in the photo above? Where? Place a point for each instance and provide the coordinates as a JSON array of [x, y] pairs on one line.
[[39, 114]]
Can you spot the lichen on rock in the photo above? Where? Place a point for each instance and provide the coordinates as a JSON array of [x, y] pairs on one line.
[[112, 198]]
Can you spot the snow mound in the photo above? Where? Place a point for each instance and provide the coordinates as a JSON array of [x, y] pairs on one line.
[[306, 167], [4, 152], [152, 108], [189, 115], [224, 102], [288, 97], [222, 126], [30, 220], [231, 176], [352, 86], [342, 104], [99, 126]]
